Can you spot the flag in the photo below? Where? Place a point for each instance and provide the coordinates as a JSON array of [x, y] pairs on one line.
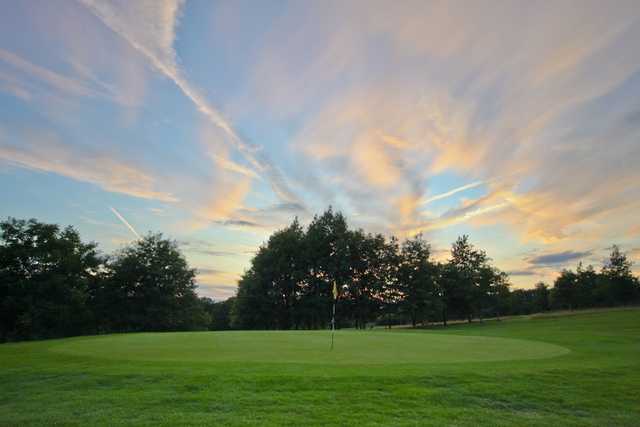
[[335, 291]]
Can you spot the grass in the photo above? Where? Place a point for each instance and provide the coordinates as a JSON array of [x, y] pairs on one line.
[[581, 370]]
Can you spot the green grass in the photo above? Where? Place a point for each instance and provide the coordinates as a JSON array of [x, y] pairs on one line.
[[580, 369]]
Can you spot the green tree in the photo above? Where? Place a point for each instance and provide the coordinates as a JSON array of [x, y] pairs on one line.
[[327, 252], [270, 291], [416, 277], [150, 287], [541, 297], [464, 290], [623, 286], [564, 290], [219, 312], [45, 273]]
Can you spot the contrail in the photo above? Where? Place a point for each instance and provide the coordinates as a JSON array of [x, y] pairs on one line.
[[451, 192], [124, 221], [252, 153]]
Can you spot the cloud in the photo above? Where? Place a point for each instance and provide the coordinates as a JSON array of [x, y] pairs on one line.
[[232, 166], [469, 103], [634, 254], [221, 207], [210, 271], [238, 222], [558, 257], [24, 80], [41, 151], [217, 292], [58, 81], [216, 283], [522, 273], [13, 86], [203, 247], [149, 27]]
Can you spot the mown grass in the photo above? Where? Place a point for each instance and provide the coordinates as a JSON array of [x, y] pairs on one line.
[[398, 377]]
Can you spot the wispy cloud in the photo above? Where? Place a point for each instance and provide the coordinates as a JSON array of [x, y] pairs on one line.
[[558, 258], [41, 151], [232, 166], [149, 26], [203, 247], [522, 273], [63, 83]]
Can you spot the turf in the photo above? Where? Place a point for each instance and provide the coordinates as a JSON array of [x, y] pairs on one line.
[[577, 369]]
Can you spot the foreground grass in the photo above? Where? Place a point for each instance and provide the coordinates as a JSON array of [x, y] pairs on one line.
[[588, 375]]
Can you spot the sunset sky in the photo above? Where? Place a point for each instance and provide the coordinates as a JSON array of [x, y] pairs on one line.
[[217, 122]]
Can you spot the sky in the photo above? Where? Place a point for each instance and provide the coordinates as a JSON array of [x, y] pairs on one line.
[[218, 122]]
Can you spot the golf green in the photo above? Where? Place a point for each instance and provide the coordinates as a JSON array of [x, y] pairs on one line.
[[311, 347], [569, 369]]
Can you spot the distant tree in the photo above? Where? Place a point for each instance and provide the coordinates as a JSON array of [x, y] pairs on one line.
[[541, 297], [587, 282], [564, 290], [391, 289], [45, 273], [150, 287], [623, 286], [416, 275], [219, 312], [469, 264], [253, 308]]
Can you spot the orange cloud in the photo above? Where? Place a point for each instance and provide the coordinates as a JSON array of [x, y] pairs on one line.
[[42, 152]]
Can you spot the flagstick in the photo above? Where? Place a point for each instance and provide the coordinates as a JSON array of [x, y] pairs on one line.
[[333, 323]]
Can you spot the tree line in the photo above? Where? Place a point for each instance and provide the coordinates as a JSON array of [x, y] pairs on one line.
[[52, 284], [384, 281]]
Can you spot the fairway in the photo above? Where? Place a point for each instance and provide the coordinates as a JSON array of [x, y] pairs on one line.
[[578, 369]]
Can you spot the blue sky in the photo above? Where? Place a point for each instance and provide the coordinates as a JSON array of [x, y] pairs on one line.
[[517, 123]]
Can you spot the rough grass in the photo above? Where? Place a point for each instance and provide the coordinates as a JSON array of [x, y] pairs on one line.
[[566, 370]]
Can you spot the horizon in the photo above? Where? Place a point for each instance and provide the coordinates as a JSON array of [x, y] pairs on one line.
[[218, 123]]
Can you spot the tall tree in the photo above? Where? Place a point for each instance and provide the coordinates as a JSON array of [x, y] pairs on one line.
[[469, 264], [623, 286], [564, 290], [416, 274], [150, 287], [542, 297], [327, 251], [45, 273]]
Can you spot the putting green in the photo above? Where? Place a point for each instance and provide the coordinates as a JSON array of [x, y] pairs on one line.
[[309, 347]]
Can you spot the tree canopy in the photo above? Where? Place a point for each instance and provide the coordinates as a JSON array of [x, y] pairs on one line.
[[52, 284]]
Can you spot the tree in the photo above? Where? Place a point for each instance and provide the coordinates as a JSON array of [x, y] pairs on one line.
[[587, 282], [150, 287], [390, 292], [623, 286], [45, 273], [269, 292], [416, 274], [564, 290], [541, 300], [464, 290], [219, 312], [253, 307], [327, 252]]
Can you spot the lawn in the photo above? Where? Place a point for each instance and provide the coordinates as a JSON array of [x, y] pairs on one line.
[[571, 369]]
